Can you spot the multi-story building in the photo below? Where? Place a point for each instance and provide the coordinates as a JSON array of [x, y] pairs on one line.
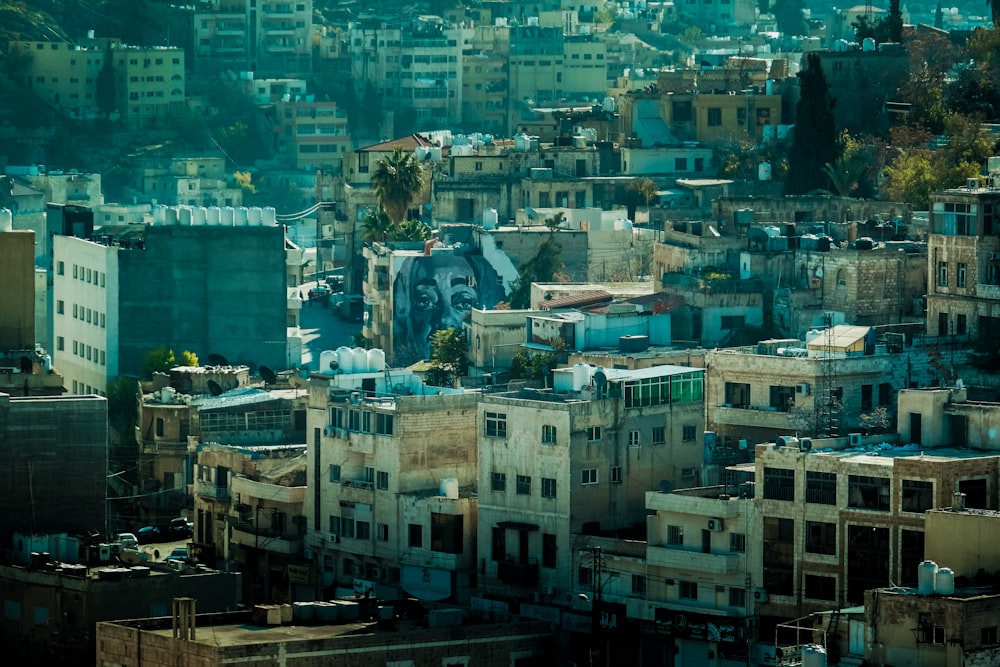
[[206, 288], [484, 92], [149, 81], [578, 460], [272, 37], [938, 417], [189, 181], [310, 133], [392, 476], [963, 260]]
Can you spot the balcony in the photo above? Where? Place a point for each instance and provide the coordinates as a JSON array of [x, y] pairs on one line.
[[692, 561], [247, 488], [267, 540], [754, 416], [518, 574], [164, 447], [210, 490]]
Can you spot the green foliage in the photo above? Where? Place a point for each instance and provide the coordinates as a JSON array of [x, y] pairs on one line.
[[411, 230], [844, 174], [107, 93], [789, 16], [526, 365], [639, 191], [158, 360], [397, 180], [449, 352], [238, 142], [189, 358], [910, 178], [541, 268], [816, 142], [606, 15], [376, 226], [692, 35]]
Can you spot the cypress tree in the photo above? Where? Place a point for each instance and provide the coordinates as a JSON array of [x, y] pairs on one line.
[[815, 143]]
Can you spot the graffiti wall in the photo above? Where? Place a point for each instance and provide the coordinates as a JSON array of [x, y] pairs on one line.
[[435, 292]]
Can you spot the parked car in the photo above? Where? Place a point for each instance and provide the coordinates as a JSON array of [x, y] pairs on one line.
[[180, 528], [148, 534], [319, 293], [179, 553], [128, 540]]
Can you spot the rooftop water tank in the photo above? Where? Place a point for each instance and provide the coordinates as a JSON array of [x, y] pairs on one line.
[[254, 216], [213, 215], [868, 44], [449, 488], [764, 171], [360, 355], [346, 359], [6, 220], [490, 218], [944, 582], [240, 216], [325, 357], [581, 376], [926, 574], [376, 360], [199, 216], [269, 216], [227, 216], [184, 215]]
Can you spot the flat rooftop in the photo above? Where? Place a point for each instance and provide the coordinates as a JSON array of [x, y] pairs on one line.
[[240, 634]]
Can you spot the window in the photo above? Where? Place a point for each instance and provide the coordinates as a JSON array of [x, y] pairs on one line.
[[588, 476], [633, 438], [370, 474], [689, 433], [680, 164], [159, 427], [988, 635], [960, 275], [737, 597], [917, 496], [869, 493], [61, 268], [548, 487], [523, 485], [821, 538], [381, 480], [499, 481], [363, 530], [779, 484], [737, 543], [942, 274], [76, 311], [779, 555], [960, 324], [548, 434], [660, 435], [821, 588], [496, 424], [60, 343], [346, 527], [884, 393], [639, 585], [866, 397], [688, 590], [585, 576], [61, 307], [446, 533], [383, 423], [616, 474], [416, 535], [548, 550], [382, 532], [821, 488], [334, 473], [714, 116], [593, 434], [675, 535]]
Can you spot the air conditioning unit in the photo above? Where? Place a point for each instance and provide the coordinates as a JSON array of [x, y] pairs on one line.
[[355, 398], [805, 444], [802, 388], [854, 439], [328, 431], [759, 595], [327, 231], [715, 525], [334, 538]]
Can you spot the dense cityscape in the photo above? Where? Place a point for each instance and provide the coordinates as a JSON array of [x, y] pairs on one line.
[[499, 333]]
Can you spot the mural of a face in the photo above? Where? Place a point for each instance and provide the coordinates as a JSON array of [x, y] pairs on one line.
[[435, 292]]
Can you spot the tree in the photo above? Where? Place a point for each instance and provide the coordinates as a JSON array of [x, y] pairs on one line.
[[894, 22], [844, 174], [541, 268], [815, 143], [449, 357], [162, 359], [639, 191], [106, 92], [410, 231], [376, 226], [398, 179], [995, 12], [789, 17]]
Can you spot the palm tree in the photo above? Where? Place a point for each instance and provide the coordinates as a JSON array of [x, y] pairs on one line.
[[376, 226], [398, 179], [844, 175], [410, 230]]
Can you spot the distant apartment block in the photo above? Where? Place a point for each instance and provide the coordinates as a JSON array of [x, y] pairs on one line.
[[271, 37]]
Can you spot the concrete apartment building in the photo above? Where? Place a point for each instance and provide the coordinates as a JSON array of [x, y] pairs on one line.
[[444, 638], [578, 460], [310, 133], [963, 259], [127, 290], [270, 37], [187, 181], [391, 504], [150, 81]]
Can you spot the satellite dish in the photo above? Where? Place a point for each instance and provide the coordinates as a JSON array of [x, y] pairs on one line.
[[130, 557], [268, 375], [214, 388], [217, 360], [297, 381]]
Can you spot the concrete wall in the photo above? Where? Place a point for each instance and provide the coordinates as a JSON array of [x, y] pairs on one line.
[[17, 299], [963, 541]]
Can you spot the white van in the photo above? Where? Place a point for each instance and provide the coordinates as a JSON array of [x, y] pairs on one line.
[[128, 540]]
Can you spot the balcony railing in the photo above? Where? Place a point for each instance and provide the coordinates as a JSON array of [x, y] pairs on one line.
[[513, 573]]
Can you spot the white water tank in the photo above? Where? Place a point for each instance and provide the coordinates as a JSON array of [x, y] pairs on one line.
[[868, 44], [926, 575], [581, 376], [376, 360], [522, 142], [254, 216], [435, 153], [184, 216], [346, 359], [269, 216], [610, 104], [813, 655], [944, 582], [764, 171], [213, 215], [360, 355], [199, 216], [6, 220], [227, 216], [240, 216], [490, 218], [449, 487], [325, 357]]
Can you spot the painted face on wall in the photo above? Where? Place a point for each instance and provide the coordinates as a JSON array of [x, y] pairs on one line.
[[436, 292]]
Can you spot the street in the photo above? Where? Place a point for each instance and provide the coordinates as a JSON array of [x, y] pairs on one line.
[[321, 329]]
